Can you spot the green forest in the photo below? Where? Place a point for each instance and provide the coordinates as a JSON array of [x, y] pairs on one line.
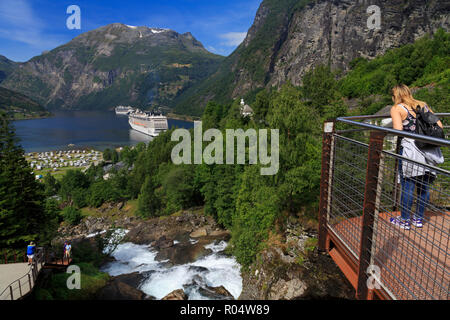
[[17, 106], [252, 206]]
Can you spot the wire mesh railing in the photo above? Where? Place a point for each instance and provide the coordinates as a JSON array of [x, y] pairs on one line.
[[390, 212]]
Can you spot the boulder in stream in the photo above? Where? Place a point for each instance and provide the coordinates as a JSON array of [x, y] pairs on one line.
[[176, 295]]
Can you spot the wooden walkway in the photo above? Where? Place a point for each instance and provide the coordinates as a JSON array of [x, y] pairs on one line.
[[16, 278], [412, 262]]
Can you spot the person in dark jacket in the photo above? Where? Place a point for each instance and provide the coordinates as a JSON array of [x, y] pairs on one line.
[[403, 115]]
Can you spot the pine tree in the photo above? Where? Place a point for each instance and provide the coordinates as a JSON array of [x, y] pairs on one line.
[[22, 217], [149, 204]]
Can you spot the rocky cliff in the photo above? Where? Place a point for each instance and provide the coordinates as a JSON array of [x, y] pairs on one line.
[[112, 65], [289, 37], [336, 32], [292, 268]]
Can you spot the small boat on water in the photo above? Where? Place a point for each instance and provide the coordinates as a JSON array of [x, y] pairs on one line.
[[122, 110], [148, 123]]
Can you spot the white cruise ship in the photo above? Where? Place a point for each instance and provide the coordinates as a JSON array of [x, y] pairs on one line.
[[124, 110], [148, 123]]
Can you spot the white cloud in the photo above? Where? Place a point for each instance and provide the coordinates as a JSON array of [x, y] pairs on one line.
[[233, 39], [18, 22], [220, 51]]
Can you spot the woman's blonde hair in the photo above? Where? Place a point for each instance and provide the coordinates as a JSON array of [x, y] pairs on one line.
[[402, 95]]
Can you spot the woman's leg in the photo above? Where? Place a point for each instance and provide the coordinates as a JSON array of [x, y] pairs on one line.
[[423, 194], [407, 198]]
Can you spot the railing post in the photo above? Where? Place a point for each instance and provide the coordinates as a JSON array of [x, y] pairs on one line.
[[396, 194], [325, 196], [371, 198], [33, 272], [11, 292]]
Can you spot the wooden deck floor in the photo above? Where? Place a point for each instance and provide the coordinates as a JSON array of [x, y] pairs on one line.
[[414, 263], [16, 276], [12, 272]]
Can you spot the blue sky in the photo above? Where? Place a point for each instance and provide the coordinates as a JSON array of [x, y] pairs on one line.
[[28, 27]]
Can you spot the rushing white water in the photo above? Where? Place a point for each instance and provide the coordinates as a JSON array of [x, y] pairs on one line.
[[212, 270], [91, 235]]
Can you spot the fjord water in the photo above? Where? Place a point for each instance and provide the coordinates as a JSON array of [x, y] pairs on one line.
[[93, 129]]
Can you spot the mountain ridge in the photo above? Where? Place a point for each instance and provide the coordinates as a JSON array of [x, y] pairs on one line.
[[114, 64], [290, 37]]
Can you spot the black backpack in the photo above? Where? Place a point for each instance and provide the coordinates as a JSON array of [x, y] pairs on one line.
[[426, 124]]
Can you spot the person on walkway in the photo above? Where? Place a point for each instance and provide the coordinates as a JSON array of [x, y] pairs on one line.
[[412, 176], [31, 249], [64, 249], [67, 250]]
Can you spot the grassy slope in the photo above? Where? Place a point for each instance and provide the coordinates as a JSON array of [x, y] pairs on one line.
[[424, 65], [19, 106]]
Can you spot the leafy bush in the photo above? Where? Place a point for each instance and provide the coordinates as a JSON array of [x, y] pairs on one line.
[[79, 197], [424, 62], [72, 215], [100, 192], [71, 181], [51, 185], [92, 280], [149, 202]]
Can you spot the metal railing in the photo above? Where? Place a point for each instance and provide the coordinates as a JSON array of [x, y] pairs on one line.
[[365, 183], [24, 285], [13, 256]]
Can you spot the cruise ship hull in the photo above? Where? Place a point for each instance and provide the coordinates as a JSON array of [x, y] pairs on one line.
[[123, 111], [143, 127]]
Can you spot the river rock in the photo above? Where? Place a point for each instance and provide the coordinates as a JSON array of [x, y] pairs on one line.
[[220, 234], [176, 295], [310, 275], [199, 233], [216, 293], [123, 288], [183, 253], [162, 243], [172, 227], [132, 279], [287, 290]]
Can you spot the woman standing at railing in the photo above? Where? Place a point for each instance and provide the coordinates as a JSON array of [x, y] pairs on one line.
[[31, 249], [412, 177]]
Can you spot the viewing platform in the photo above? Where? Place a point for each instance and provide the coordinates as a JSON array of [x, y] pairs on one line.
[[18, 279], [361, 191]]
